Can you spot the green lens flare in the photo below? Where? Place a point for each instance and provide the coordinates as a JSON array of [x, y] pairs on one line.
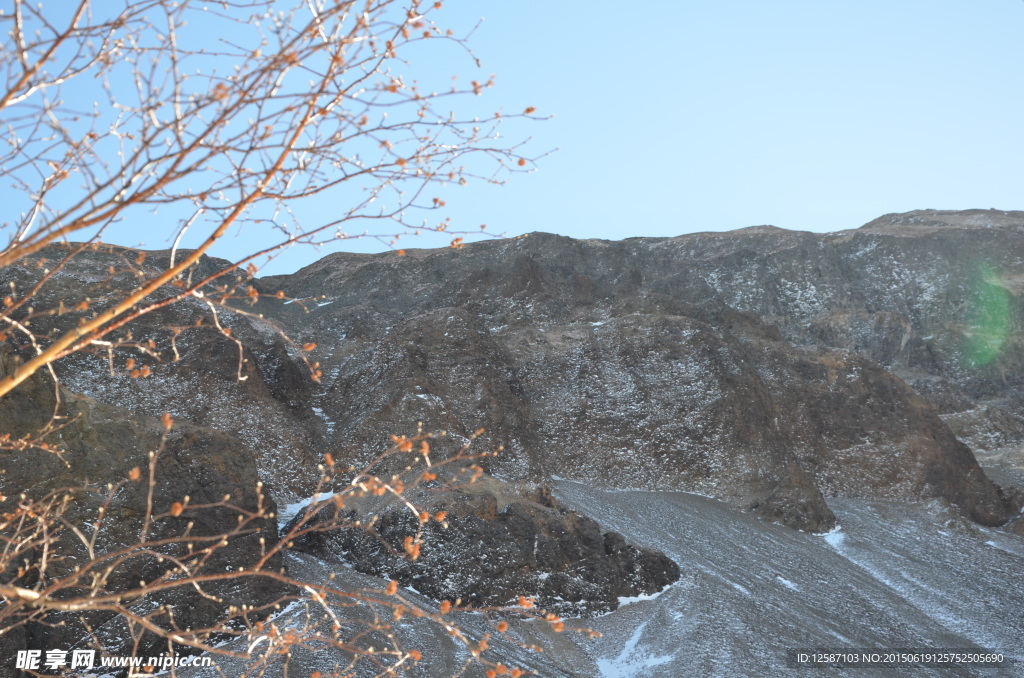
[[990, 319]]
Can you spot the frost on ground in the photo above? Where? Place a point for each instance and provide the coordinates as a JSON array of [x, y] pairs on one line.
[[895, 575], [633, 660]]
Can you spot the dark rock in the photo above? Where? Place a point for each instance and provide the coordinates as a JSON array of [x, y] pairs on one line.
[[1016, 527], [258, 393], [655, 381], [496, 545], [761, 367], [769, 369], [95, 447]]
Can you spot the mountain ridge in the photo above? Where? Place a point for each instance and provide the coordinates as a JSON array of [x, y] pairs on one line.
[[795, 378], [591, 326]]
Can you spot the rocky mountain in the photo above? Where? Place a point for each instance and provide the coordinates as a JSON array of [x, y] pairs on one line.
[[762, 367], [804, 379]]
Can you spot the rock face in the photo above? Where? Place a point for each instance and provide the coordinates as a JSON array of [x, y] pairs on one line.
[[194, 372], [767, 368], [772, 370], [101, 444], [495, 545]]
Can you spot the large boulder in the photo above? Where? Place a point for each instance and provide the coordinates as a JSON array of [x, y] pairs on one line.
[[495, 544]]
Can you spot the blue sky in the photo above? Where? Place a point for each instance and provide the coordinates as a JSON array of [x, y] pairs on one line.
[[678, 117], [673, 117], [686, 116]]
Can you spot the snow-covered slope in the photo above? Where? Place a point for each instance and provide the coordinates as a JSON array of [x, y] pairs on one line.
[[893, 575]]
